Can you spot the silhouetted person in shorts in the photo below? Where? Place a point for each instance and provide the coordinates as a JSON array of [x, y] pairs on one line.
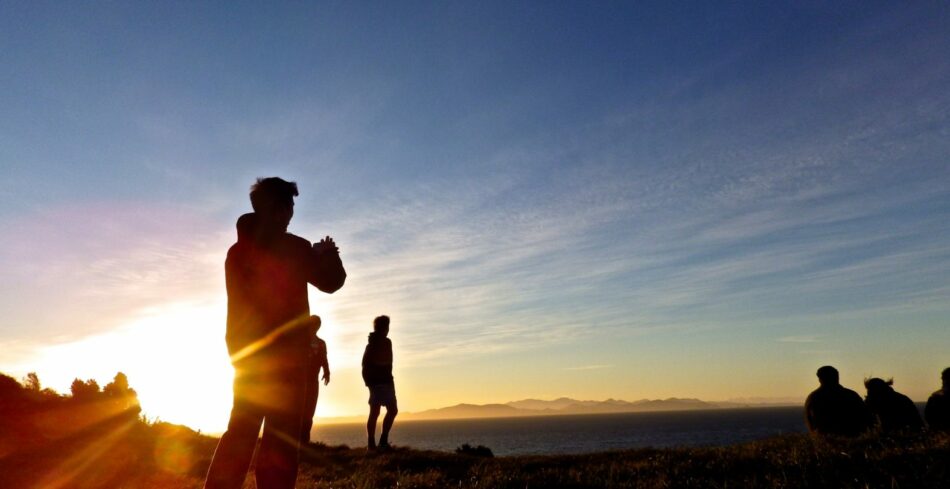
[[892, 411], [937, 412], [834, 410], [266, 273], [317, 362], [378, 377]]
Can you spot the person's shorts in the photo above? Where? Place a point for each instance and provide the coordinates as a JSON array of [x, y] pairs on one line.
[[383, 395]]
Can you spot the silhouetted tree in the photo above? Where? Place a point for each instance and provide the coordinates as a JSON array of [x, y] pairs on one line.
[[119, 392], [34, 392], [9, 386], [48, 393], [32, 382], [16, 397], [84, 391], [11, 393], [119, 387]]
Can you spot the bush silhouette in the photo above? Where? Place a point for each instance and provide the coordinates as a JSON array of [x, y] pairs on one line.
[[84, 390], [479, 451]]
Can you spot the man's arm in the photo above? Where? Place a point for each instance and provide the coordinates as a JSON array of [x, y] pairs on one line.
[[325, 269], [810, 415], [867, 419], [237, 303], [365, 364], [387, 353], [324, 362], [930, 410]]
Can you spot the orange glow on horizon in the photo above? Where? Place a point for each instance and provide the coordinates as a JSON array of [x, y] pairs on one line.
[[175, 358], [166, 355]]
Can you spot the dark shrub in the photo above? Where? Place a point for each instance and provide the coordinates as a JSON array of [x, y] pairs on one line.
[[479, 451]]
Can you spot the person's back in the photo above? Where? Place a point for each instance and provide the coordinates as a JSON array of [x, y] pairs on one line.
[[937, 412], [377, 360], [833, 409], [892, 410], [267, 296], [267, 276], [378, 377]]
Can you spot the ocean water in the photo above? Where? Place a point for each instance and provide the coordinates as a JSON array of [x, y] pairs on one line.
[[582, 433]]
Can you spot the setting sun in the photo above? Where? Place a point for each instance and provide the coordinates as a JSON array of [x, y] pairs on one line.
[[174, 357]]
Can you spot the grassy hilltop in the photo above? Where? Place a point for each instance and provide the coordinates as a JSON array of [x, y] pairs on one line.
[[96, 439], [160, 455], [784, 462]]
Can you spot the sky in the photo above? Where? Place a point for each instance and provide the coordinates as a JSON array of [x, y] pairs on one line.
[[614, 200]]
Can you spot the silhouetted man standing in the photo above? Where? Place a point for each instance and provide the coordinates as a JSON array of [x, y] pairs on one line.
[[937, 412], [378, 376], [834, 410], [267, 272], [318, 361]]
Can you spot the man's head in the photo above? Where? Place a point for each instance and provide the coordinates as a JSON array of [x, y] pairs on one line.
[[878, 387], [945, 376], [273, 200], [314, 324], [828, 375], [246, 226], [381, 325]]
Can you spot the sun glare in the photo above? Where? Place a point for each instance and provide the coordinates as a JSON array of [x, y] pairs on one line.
[[174, 356]]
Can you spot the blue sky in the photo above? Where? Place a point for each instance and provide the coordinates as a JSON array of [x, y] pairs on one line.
[[619, 200]]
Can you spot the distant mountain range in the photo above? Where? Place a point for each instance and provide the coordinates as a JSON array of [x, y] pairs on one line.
[[567, 406]]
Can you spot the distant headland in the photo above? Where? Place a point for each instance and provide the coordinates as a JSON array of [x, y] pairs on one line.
[[568, 406]]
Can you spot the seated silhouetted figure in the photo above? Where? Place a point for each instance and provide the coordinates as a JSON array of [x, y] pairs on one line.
[[834, 410], [937, 412], [892, 410]]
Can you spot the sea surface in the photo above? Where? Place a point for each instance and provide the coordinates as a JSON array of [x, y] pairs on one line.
[[581, 433]]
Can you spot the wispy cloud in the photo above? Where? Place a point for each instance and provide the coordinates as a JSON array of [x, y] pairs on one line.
[[743, 191], [800, 339], [822, 353], [83, 269], [587, 367], [735, 226]]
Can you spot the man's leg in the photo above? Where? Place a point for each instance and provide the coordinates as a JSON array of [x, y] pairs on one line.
[[310, 404], [371, 426], [233, 455], [391, 412], [277, 459]]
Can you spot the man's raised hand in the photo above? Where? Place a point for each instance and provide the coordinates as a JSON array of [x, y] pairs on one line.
[[326, 245]]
